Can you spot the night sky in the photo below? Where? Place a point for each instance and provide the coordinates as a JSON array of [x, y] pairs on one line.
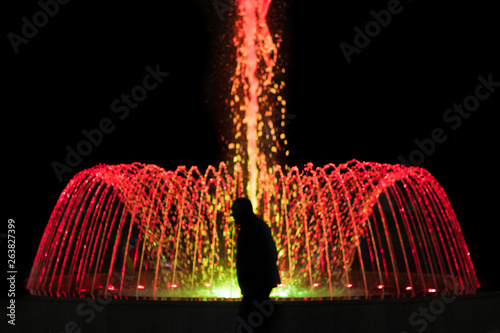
[[404, 84]]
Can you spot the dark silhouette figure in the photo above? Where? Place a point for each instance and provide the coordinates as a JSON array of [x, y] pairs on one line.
[[256, 267]]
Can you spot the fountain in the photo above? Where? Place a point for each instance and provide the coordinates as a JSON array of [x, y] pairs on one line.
[[358, 229]]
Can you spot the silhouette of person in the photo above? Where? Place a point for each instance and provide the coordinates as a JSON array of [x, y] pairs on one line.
[[256, 267]]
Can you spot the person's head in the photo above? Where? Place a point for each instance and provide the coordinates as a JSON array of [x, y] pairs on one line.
[[242, 208]]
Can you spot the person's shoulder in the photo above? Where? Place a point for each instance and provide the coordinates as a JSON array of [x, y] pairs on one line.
[[257, 219], [261, 223]]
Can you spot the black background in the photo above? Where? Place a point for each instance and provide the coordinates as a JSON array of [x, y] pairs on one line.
[[394, 91]]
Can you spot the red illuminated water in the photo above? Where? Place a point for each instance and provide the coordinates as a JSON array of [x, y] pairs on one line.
[[340, 231], [256, 104], [355, 229]]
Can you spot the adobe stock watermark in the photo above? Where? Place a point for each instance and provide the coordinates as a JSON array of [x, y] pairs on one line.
[[222, 6], [372, 29], [90, 306], [454, 117], [30, 27], [285, 119], [255, 320], [95, 136], [420, 319]]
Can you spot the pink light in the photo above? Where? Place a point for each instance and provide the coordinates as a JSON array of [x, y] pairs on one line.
[[174, 286], [349, 285], [208, 284], [315, 284], [431, 290], [111, 287], [409, 288], [380, 286], [140, 286]]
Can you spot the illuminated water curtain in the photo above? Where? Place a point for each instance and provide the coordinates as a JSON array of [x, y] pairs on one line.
[[359, 229]]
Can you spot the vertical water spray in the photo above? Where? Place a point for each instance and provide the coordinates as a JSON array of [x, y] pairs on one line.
[[252, 108]]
